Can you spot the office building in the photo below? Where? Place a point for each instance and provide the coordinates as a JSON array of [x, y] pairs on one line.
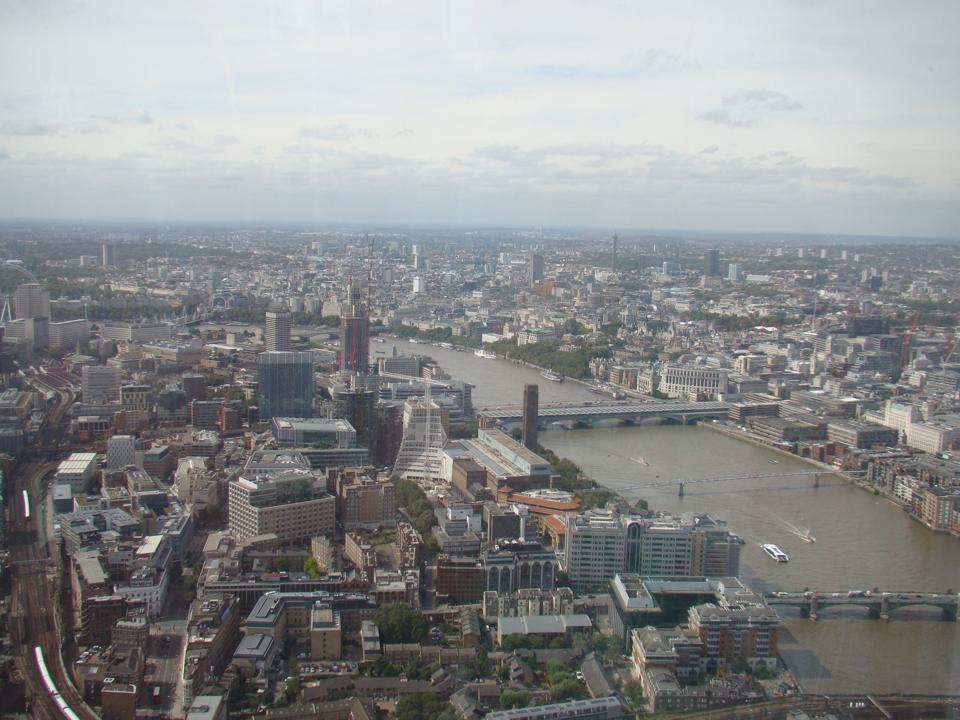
[[601, 543], [285, 384], [77, 471], [363, 502], [354, 333], [276, 334], [531, 395], [100, 384], [68, 335], [294, 505], [512, 565], [315, 433], [121, 451], [692, 381], [132, 332], [734, 273], [30, 300]]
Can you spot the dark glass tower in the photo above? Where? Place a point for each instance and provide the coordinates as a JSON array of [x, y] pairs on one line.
[[285, 381]]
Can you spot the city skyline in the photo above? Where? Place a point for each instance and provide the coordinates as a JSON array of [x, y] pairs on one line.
[[796, 117]]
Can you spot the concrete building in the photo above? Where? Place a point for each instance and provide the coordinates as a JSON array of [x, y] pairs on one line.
[[30, 300], [132, 332], [363, 502], [77, 471], [308, 619], [68, 334], [100, 384], [692, 381], [294, 505], [276, 333]]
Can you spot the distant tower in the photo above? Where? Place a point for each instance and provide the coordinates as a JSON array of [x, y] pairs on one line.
[[613, 261], [536, 268], [354, 333], [712, 264], [108, 254], [276, 333], [531, 410]]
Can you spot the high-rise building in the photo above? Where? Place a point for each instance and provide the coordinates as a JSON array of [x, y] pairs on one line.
[[108, 254], [733, 273], [537, 267], [100, 384], [354, 333], [292, 504], [712, 263], [30, 300], [276, 333], [285, 384], [531, 409], [424, 435]]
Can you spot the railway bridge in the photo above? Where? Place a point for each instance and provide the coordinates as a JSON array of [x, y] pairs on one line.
[[590, 412], [879, 605]]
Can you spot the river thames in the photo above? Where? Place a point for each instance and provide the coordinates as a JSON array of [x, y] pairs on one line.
[[862, 541]]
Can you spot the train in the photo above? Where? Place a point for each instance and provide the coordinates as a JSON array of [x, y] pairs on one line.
[[51, 688], [26, 505]]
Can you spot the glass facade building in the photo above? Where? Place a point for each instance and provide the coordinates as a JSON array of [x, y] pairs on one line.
[[285, 381]]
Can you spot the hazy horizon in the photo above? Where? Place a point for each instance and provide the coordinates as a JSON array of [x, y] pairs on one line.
[[781, 118]]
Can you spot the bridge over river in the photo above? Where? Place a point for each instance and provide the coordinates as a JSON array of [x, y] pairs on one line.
[[592, 411], [879, 605]]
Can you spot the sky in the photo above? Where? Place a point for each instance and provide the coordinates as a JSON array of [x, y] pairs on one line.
[[770, 116]]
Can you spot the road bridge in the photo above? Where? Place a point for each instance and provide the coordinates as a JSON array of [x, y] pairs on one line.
[[879, 605], [593, 411]]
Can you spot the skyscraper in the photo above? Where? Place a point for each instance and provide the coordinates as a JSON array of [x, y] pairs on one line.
[[285, 382], [108, 254], [531, 403], [354, 333], [712, 263], [536, 268], [276, 334]]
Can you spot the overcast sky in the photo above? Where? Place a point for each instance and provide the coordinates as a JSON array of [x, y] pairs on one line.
[[802, 116]]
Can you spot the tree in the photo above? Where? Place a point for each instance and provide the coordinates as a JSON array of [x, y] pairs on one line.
[[400, 624], [558, 643], [478, 665], [565, 689], [510, 699], [312, 568], [423, 706]]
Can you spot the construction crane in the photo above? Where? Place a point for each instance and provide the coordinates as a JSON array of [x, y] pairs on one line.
[[908, 340]]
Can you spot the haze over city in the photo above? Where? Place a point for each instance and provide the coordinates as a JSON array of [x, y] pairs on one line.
[[755, 116]]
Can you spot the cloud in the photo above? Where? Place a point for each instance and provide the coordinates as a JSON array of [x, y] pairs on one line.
[[648, 63], [723, 116], [30, 128], [225, 140], [746, 107], [142, 118], [762, 100], [334, 133], [709, 150]]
